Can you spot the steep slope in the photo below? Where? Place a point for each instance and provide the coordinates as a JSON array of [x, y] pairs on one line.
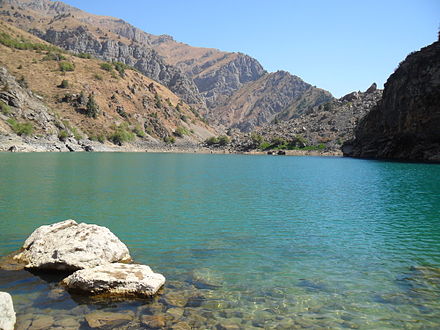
[[80, 32], [186, 70], [126, 103], [322, 127], [405, 125], [278, 95], [217, 74]]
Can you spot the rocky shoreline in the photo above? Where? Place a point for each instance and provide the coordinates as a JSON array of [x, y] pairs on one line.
[[10, 143]]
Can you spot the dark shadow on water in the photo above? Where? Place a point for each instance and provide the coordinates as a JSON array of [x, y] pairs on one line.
[[50, 277]]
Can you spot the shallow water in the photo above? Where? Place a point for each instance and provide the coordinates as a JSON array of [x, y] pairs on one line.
[[252, 241]]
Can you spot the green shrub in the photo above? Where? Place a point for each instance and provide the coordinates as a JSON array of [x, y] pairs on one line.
[[138, 131], [184, 118], [97, 76], [169, 139], [92, 108], [76, 134], [257, 140], [120, 67], [223, 140], [106, 66], [211, 141], [66, 66], [20, 128], [101, 138], [9, 41], [181, 131], [54, 57], [265, 145], [4, 108], [121, 135], [64, 84], [84, 55], [63, 135], [278, 142], [158, 101]]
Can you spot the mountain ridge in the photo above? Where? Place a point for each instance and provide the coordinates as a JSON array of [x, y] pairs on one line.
[[206, 78]]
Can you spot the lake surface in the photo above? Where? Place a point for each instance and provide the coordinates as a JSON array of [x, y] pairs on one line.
[[252, 241]]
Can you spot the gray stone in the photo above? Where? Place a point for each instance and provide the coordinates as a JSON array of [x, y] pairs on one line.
[[7, 313], [116, 279], [68, 245]]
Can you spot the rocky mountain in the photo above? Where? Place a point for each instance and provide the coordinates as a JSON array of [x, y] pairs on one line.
[[277, 95], [405, 125], [49, 94], [217, 74], [324, 127], [212, 81], [80, 32], [201, 76]]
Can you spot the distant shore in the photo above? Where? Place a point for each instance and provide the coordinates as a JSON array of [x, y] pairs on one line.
[[34, 144]]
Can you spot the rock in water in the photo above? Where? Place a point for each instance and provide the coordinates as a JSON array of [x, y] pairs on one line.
[[116, 279], [69, 246], [107, 320], [7, 313]]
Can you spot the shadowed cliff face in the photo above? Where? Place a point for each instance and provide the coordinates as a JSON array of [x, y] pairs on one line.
[[405, 125], [277, 95]]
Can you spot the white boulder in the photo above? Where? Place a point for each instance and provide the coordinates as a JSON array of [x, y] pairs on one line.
[[68, 246], [7, 313], [116, 279]]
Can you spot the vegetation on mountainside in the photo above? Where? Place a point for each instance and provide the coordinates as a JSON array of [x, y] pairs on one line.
[[21, 43], [279, 143], [181, 131], [121, 134], [66, 66], [92, 108], [219, 141], [126, 106], [4, 108], [20, 128], [169, 139]]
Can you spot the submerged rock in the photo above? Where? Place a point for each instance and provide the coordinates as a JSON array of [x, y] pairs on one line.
[[205, 278], [153, 321], [116, 279], [7, 313], [69, 246], [107, 320]]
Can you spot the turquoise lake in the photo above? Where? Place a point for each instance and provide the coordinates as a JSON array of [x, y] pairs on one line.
[[266, 241]]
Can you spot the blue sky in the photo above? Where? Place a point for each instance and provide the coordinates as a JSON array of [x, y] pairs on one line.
[[337, 45]]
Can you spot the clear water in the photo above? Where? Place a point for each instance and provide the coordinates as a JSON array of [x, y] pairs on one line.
[[264, 241]]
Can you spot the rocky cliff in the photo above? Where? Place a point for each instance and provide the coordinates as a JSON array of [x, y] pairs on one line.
[[274, 96], [405, 125], [182, 68], [323, 127], [79, 32], [47, 93]]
